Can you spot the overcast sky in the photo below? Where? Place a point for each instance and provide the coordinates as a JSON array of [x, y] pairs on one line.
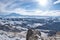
[[31, 7]]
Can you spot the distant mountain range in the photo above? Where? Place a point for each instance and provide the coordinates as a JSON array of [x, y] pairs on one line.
[[10, 15], [16, 15], [13, 14]]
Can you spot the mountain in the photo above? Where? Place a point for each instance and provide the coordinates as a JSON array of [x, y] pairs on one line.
[[13, 14], [16, 15]]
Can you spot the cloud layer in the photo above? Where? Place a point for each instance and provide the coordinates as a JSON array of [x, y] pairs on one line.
[[26, 7]]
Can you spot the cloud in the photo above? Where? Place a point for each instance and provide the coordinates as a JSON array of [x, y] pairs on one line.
[[52, 13], [8, 5], [38, 12], [25, 7], [26, 4], [56, 2]]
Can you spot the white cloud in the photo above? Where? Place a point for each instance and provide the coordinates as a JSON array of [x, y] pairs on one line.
[[27, 12], [31, 12], [52, 13], [4, 4], [38, 12], [58, 1], [7, 5]]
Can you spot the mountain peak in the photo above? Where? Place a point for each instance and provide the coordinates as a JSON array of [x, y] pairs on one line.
[[13, 14]]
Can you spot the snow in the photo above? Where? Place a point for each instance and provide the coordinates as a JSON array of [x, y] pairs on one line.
[[16, 35], [45, 35], [4, 35], [10, 36], [23, 39]]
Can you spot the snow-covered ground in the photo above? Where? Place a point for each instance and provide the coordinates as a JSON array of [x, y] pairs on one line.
[[12, 35], [16, 30], [19, 35]]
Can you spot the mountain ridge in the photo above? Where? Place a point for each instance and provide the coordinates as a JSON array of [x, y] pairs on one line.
[[23, 16]]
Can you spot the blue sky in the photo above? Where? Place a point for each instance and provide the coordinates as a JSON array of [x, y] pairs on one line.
[[31, 7]]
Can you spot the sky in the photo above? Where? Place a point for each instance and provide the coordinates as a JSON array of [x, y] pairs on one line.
[[31, 7]]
